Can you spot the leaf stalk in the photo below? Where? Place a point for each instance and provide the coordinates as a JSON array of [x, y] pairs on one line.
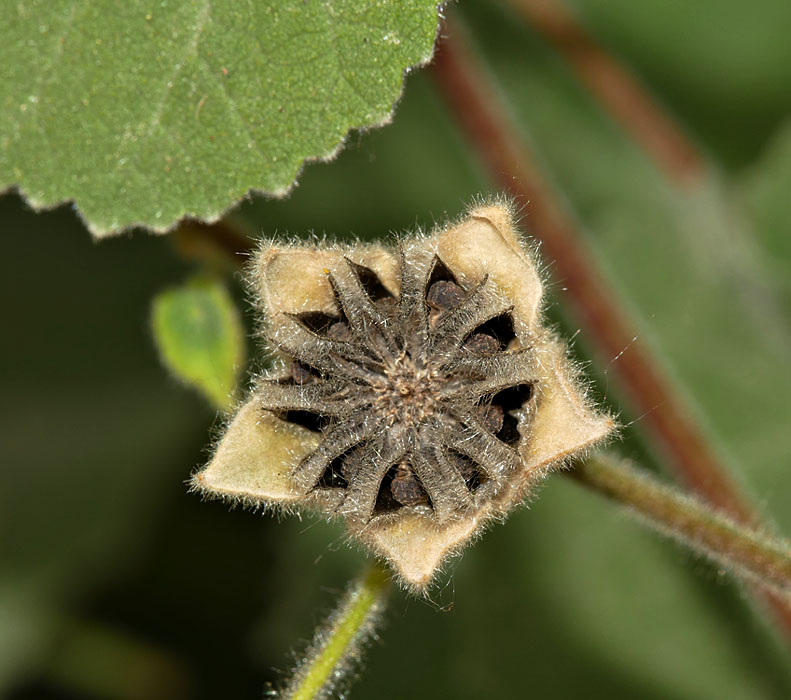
[[336, 646], [754, 554]]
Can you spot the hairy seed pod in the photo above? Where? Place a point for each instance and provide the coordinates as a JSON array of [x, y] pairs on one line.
[[419, 394]]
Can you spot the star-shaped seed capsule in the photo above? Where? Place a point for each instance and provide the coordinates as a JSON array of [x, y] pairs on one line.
[[416, 394]]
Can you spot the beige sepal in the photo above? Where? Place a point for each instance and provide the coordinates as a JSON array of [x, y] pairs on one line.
[[487, 244], [254, 460], [291, 280], [295, 280], [564, 423], [416, 546]]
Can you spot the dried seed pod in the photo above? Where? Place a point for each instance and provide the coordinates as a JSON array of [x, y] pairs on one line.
[[422, 395]]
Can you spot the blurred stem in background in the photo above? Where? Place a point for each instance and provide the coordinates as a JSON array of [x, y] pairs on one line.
[[484, 117], [758, 556], [617, 90]]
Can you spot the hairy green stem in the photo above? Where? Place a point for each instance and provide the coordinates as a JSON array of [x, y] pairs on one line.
[[336, 645], [759, 556]]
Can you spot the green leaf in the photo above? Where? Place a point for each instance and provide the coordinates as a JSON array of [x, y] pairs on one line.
[[764, 189], [143, 113], [200, 337]]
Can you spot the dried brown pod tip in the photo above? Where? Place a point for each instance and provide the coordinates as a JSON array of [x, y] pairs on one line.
[[417, 395]]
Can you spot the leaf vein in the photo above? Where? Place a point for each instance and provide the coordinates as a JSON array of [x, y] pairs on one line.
[[341, 70], [233, 107], [191, 52]]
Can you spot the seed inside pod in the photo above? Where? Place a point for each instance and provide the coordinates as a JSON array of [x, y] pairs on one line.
[[339, 331], [492, 416], [300, 373], [482, 344], [406, 488], [441, 297]]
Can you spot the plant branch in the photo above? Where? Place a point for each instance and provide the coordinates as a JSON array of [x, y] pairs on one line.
[[222, 245], [616, 89], [758, 556], [337, 645], [483, 116]]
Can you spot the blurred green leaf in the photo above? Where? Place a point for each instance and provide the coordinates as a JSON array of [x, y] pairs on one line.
[[765, 190], [200, 337], [96, 445], [25, 630], [145, 112]]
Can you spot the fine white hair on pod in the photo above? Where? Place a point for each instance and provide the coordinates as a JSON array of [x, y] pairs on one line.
[[419, 394]]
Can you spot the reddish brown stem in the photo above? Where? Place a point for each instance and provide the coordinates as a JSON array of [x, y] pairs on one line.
[[759, 557], [616, 90], [482, 116], [220, 242]]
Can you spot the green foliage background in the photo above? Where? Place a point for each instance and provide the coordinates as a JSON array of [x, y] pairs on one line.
[[117, 583]]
